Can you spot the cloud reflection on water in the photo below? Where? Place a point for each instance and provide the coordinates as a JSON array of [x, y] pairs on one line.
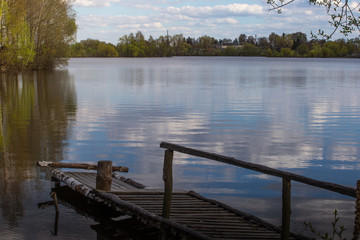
[[299, 115]]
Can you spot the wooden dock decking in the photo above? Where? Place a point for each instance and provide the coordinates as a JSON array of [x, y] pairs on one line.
[[192, 216], [187, 215]]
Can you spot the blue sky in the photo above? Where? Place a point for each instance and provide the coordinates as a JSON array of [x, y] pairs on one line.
[[107, 20]]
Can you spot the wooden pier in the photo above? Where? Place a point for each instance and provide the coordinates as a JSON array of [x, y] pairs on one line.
[[179, 214]]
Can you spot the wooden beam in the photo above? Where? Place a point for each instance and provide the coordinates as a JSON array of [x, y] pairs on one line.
[[78, 165], [103, 176], [261, 168], [357, 212], [286, 208], [168, 185], [128, 181]]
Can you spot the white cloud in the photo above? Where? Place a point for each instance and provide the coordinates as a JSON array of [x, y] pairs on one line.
[[195, 18], [217, 11], [94, 3]]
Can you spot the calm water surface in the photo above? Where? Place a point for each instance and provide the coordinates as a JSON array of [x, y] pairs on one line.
[[299, 115]]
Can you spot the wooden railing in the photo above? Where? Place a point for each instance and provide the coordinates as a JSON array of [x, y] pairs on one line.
[[287, 177]]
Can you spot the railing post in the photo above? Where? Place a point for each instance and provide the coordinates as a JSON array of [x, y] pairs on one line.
[[357, 212], [168, 187], [104, 175], [286, 208]]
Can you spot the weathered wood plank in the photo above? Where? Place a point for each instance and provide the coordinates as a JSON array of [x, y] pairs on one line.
[[174, 206], [237, 212], [128, 181], [228, 220], [220, 224], [356, 233], [143, 214], [168, 183], [349, 191], [146, 192], [89, 179], [78, 165], [286, 208]]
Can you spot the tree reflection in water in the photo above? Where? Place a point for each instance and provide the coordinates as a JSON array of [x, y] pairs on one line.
[[36, 111]]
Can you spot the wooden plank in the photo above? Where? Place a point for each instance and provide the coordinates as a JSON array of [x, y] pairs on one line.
[[221, 224], [184, 207], [176, 205], [168, 191], [261, 168], [89, 179], [146, 192], [143, 198], [249, 217], [78, 165], [286, 208], [128, 181], [168, 183], [356, 234], [178, 195], [143, 214], [227, 228], [226, 220], [86, 179], [196, 214]]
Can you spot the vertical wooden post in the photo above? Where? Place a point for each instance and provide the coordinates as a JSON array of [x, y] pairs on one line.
[[56, 224], [56, 203], [104, 176], [357, 212], [168, 184], [286, 208]]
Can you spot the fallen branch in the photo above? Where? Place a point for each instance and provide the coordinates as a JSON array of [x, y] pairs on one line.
[[78, 165]]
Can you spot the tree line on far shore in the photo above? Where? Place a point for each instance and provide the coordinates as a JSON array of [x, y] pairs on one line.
[[285, 45]]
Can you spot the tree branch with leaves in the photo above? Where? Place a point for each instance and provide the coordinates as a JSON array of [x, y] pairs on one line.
[[344, 15]]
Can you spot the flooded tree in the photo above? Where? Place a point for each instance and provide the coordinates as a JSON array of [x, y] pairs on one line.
[[16, 47], [35, 33]]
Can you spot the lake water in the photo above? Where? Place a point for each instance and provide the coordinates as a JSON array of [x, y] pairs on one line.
[[298, 115]]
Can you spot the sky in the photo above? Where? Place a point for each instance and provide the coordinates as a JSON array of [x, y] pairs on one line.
[[108, 20]]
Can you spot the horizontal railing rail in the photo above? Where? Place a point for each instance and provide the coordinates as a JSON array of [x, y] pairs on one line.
[[287, 177], [349, 191]]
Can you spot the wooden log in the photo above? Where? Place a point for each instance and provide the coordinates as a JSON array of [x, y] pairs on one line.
[[78, 165], [286, 208], [71, 182], [56, 224], [261, 168], [357, 212], [168, 182], [104, 176], [168, 185], [80, 188], [53, 195], [128, 180]]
